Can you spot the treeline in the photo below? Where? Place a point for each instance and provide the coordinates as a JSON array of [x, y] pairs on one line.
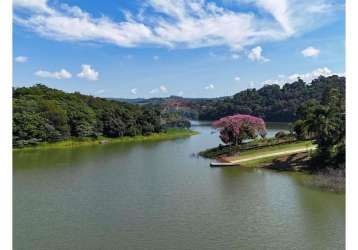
[[271, 102], [42, 114]]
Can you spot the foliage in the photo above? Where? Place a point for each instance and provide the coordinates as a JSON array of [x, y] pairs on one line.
[[175, 119], [299, 130], [271, 102], [281, 135], [236, 128], [42, 114], [325, 122]]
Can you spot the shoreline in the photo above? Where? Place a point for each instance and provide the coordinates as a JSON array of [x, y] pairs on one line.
[[294, 157], [257, 150], [79, 142], [270, 153]]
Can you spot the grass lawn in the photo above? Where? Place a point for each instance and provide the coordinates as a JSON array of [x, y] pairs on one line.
[[260, 153]]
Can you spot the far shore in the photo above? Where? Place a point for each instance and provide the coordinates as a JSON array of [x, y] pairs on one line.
[[170, 134]]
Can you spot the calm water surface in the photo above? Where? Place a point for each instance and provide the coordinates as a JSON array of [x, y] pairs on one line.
[[157, 196]]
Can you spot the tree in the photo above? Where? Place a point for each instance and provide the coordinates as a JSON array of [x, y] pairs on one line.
[[325, 123], [236, 128], [57, 116], [300, 130]]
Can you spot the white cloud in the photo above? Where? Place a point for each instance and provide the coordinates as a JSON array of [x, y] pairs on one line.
[[312, 75], [177, 23], [180, 93], [155, 58], [134, 91], [163, 89], [307, 77], [256, 55], [88, 73], [279, 9], [237, 78], [320, 8], [21, 59], [209, 87], [252, 84], [310, 52], [62, 74], [72, 24], [33, 5], [272, 81]]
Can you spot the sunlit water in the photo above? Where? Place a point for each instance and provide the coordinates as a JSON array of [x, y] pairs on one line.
[[158, 196]]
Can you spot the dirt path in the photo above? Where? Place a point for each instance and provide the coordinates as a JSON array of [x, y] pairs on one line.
[[287, 152]]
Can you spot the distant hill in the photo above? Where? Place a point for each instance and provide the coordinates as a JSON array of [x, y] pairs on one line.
[[160, 100]]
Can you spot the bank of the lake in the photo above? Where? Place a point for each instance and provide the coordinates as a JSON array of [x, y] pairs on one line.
[[288, 156], [169, 134], [291, 157]]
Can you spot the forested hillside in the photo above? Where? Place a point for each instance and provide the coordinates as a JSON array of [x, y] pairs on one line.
[[271, 102], [42, 114]]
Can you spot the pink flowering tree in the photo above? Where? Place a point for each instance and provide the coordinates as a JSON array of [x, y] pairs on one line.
[[236, 128]]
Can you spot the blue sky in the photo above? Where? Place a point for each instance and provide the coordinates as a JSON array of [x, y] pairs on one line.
[[194, 48]]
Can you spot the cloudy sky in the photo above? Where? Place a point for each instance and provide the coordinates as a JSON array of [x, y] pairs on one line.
[[194, 48]]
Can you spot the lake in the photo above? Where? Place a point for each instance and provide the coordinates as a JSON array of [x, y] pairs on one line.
[[156, 195]]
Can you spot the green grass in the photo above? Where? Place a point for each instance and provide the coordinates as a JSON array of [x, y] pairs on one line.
[[269, 150], [247, 146], [274, 149], [170, 134]]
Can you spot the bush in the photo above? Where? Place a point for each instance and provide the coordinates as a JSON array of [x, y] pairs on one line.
[[299, 130], [281, 135]]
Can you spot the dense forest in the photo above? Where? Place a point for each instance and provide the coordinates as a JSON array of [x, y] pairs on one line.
[[273, 103], [42, 114]]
